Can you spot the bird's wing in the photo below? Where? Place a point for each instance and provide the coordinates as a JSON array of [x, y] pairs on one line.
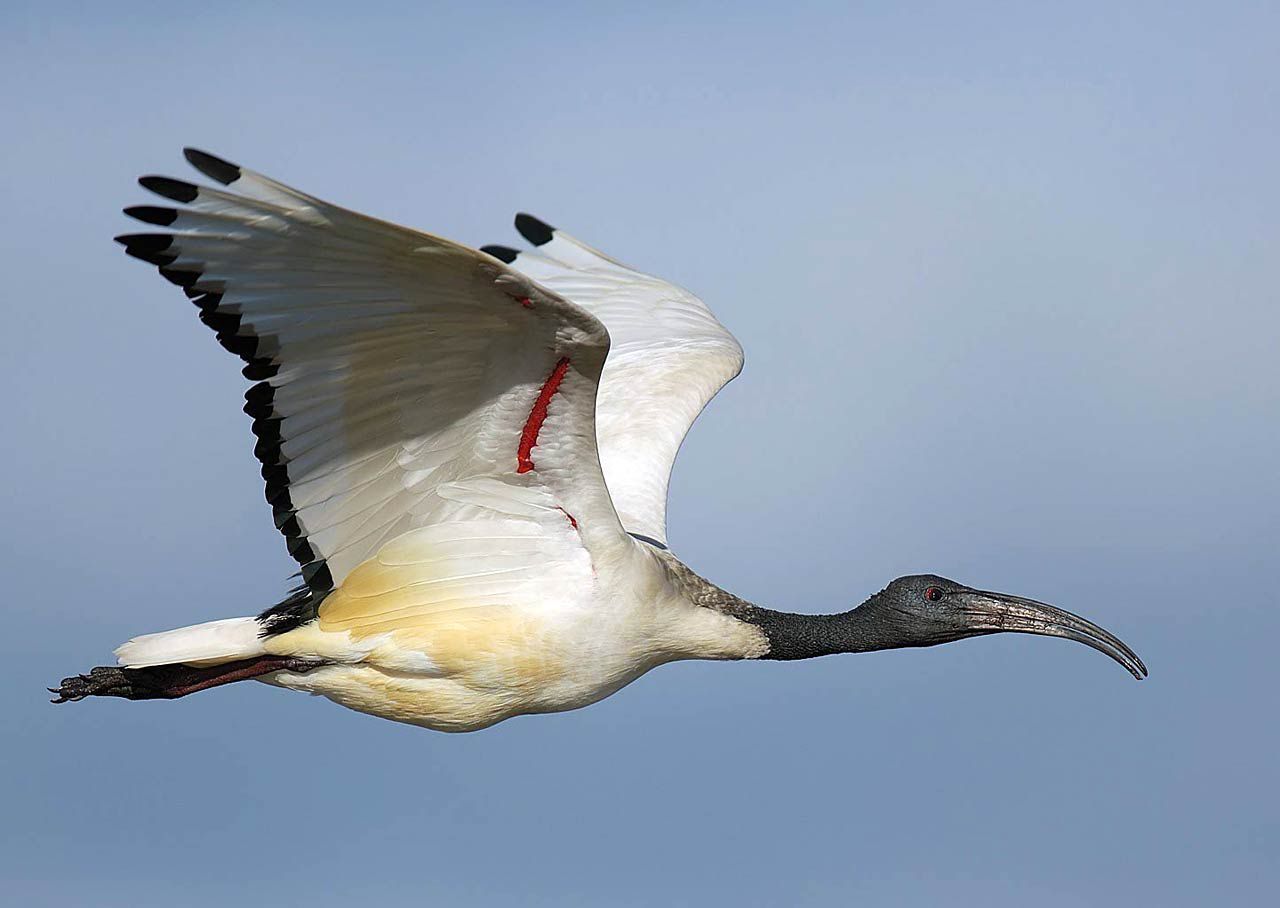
[[669, 357], [404, 383]]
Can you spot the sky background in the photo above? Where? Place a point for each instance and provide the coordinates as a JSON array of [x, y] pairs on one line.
[[1007, 280]]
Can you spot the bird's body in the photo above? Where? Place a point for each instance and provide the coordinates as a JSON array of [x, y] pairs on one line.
[[463, 668], [468, 454]]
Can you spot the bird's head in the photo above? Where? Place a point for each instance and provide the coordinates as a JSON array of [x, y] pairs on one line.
[[924, 610]]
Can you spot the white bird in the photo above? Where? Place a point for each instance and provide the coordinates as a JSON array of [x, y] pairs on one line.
[[468, 453]]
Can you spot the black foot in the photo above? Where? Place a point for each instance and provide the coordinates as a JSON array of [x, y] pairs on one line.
[[106, 681]]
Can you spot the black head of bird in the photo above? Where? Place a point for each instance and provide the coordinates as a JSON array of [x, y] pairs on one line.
[[925, 610]]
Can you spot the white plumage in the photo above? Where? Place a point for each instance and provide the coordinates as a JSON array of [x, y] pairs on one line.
[[227, 639], [468, 454], [433, 425], [668, 356]]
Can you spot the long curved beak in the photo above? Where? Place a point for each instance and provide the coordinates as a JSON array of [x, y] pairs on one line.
[[996, 612]]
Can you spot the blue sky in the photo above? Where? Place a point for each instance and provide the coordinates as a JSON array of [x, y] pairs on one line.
[[1007, 281]]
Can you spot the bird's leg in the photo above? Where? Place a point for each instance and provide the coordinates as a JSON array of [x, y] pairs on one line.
[[167, 682]]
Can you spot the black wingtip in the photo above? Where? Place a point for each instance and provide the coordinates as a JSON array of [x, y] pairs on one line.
[[148, 242], [214, 168], [535, 231], [152, 214], [178, 190], [183, 277], [502, 253], [150, 247]]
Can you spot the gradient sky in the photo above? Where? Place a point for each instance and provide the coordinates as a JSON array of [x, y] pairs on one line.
[[1007, 282]]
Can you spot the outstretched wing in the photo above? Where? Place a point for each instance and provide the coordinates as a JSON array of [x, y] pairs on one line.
[[669, 357], [402, 380]]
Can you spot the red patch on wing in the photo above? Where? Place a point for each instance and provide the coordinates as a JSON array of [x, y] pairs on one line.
[[538, 415], [572, 522], [526, 302]]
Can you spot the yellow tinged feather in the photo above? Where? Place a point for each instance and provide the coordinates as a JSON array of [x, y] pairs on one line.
[[453, 621], [458, 643]]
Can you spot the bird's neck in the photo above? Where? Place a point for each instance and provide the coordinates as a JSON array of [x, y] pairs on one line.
[[793, 636]]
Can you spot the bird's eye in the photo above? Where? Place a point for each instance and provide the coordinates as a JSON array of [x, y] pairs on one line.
[[933, 594]]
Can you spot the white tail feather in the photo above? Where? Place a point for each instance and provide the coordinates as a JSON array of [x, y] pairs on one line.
[[215, 641]]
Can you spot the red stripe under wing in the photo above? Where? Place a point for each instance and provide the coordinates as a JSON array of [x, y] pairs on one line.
[[538, 415]]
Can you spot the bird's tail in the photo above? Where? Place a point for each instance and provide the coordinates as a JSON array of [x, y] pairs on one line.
[[207, 644], [179, 662]]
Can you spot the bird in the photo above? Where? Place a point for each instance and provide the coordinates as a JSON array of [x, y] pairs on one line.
[[467, 452]]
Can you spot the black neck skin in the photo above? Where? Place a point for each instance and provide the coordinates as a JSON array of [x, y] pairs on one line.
[[871, 626], [794, 636]]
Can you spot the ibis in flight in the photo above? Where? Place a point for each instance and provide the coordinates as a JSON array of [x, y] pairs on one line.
[[467, 452]]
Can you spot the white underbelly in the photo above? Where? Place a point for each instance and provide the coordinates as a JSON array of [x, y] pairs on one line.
[[466, 701], [457, 651]]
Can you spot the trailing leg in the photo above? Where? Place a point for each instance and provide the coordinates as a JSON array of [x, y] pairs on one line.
[[167, 682]]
